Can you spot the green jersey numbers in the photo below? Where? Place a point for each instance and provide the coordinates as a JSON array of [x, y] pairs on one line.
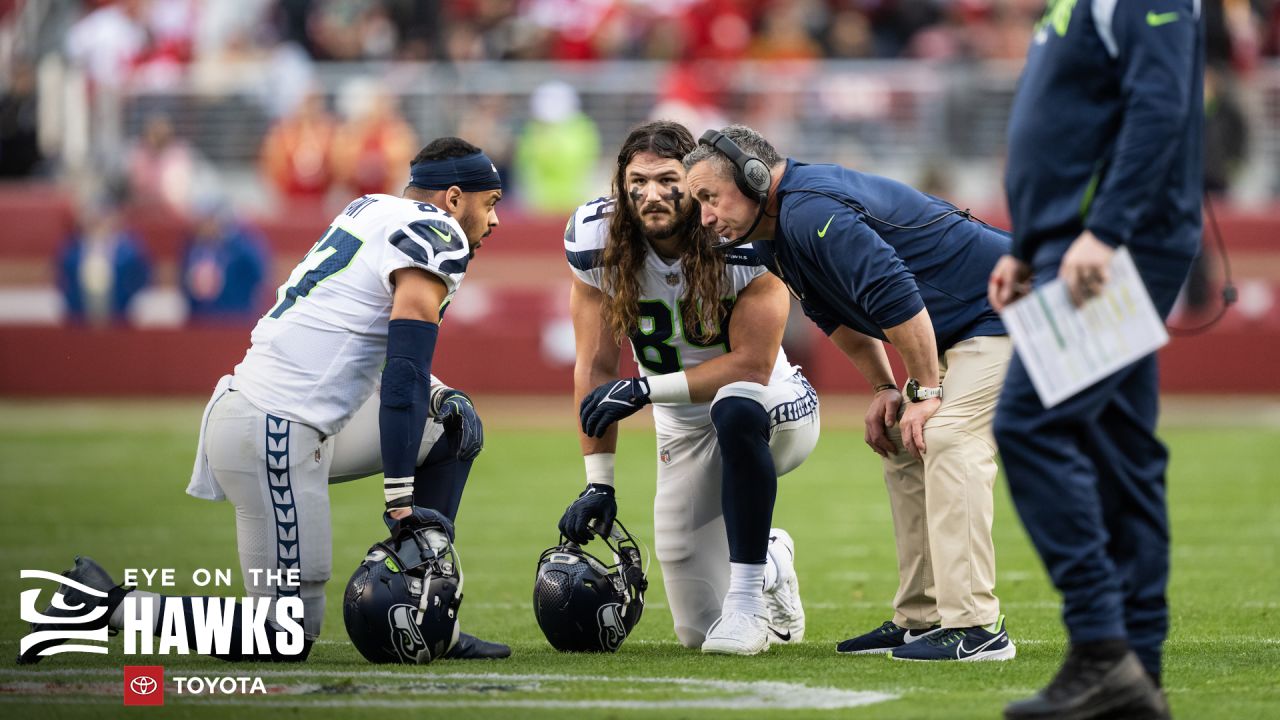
[[328, 257], [655, 343]]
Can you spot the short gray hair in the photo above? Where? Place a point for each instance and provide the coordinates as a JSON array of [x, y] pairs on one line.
[[751, 142]]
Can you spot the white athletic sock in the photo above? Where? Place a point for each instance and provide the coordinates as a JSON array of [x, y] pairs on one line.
[[746, 589], [771, 572], [117, 616]]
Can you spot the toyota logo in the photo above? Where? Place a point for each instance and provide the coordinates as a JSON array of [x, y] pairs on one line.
[[143, 685]]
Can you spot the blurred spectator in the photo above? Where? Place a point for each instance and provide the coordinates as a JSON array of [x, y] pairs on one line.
[[850, 35], [690, 94], [161, 166], [296, 156], [350, 30], [784, 32], [108, 41], [223, 265], [102, 267], [19, 149], [372, 150], [557, 151], [485, 122]]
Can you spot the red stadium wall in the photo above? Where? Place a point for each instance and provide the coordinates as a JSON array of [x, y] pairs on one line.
[[520, 286]]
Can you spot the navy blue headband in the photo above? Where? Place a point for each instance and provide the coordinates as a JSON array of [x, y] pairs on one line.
[[471, 173]]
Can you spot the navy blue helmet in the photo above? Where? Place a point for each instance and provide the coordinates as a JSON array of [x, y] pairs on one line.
[[585, 605], [401, 604]]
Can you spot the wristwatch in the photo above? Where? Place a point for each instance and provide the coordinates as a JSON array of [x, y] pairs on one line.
[[916, 394]]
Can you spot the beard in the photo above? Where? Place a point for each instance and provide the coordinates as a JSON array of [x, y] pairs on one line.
[[671, 224]]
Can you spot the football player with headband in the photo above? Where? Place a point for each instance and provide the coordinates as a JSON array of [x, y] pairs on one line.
[[873, 260], [337, 385], [731, 413]]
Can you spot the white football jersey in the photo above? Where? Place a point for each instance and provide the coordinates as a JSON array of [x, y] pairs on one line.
[[318, 352], [660, 347]]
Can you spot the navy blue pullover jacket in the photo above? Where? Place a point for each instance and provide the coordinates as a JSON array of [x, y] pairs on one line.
[[1106, 131], [849, 269]]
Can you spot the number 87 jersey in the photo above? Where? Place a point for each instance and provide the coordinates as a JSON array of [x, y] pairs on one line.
[[660, 343], [316, 355]]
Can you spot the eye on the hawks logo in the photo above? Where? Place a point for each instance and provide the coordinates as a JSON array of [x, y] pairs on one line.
[[612, 631], [72, 616]]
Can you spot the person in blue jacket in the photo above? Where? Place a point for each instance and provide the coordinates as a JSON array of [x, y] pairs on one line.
[[1105, 150], [103, 266], [872, 261], [223, 265]]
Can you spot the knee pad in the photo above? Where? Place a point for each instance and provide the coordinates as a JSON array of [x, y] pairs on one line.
[[672, 547], [741, 389], [736, 417]]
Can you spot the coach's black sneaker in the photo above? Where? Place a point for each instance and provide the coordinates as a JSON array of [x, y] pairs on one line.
[[987, 642], [1092, 687], [470, 647], [882, 640], [89, 593]]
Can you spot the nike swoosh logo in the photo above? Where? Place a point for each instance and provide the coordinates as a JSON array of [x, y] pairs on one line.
[[910, 636], [823, 231], [443, 236], [1155, 19], [965, 652], [784, 637]]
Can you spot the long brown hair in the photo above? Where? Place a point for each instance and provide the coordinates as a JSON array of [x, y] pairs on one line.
[[701, 312]]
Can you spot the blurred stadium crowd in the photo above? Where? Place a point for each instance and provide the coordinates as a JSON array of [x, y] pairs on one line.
[[211, 112]]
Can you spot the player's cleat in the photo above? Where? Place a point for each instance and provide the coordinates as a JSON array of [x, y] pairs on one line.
[[990, 642], [470, 647], [1087, 688], [786, 613], [884, 639], [71, 601], [738, 633]]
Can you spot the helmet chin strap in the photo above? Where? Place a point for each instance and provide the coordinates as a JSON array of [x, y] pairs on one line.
[[746, 237]]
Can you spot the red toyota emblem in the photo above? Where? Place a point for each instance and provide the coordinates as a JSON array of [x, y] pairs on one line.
[[143, 685]]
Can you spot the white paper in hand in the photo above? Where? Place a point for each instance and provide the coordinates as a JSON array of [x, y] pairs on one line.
[[1066, 349]]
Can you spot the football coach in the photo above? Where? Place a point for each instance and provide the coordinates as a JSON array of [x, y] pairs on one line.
[[1105, 150], [873, 260]]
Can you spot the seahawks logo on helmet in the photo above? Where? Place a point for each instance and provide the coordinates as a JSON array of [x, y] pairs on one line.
[[406, 638], [612, 629], [401, 604], [584, 604]]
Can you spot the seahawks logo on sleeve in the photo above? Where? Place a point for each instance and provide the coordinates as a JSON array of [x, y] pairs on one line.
[[433, 243], [585, 235]]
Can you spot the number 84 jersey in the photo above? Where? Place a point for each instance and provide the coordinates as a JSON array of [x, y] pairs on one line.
[[318, 352], [660, 344]]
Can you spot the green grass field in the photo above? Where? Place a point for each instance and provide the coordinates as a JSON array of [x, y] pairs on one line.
[[107, 479]]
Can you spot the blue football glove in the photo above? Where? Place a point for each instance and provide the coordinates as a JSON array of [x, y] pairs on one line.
[[453, 408], [611, 402], [594, 510], [421, 517]]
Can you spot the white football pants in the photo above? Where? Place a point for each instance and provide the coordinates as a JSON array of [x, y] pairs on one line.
[[688, 522]]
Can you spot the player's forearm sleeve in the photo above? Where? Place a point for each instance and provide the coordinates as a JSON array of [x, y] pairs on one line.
[[406, 400]]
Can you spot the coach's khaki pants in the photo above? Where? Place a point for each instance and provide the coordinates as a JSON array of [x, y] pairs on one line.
[[942, 506]]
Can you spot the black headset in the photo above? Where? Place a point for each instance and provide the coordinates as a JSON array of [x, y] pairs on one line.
[[749, 172]]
